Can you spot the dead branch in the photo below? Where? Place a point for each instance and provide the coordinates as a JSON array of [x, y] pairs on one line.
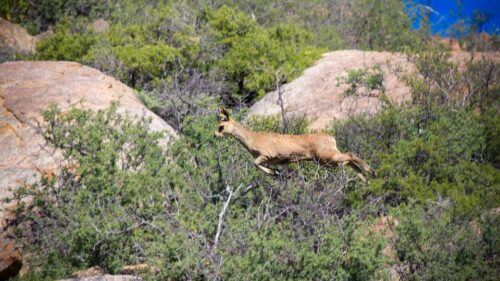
[[223, 212]]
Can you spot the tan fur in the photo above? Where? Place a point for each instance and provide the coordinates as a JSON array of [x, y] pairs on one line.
[[272, 149]]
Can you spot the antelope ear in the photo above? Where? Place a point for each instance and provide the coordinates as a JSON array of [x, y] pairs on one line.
[[223, 114]]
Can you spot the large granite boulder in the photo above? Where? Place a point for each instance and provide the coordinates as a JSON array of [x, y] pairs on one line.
[[319, 94], [27, 88]]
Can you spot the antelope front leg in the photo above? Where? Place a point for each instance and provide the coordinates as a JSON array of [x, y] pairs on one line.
[[258, 163]]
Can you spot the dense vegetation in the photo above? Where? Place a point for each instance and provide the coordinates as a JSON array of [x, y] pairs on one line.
[[431, 213], [204, 51]]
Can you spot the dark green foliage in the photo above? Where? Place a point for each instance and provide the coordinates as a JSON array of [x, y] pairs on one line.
[[38, 15], [65, 46], [446, 167], [435, 246], [343, 252], [360, 24], [179, 52], [444, 159], [382, 25], [255, 60], [308, 223], [121, 202], [159, 45], [97, 213], [119, 198]]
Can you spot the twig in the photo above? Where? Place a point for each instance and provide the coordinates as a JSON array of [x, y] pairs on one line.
[[280, 100], [223, 212]]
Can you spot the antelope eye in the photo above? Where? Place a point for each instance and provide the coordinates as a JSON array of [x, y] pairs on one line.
[[221, 128]]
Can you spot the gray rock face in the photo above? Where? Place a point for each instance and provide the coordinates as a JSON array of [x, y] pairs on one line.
[[28, 88]]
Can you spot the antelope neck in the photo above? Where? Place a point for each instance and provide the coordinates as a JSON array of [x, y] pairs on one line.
[[244, 135]]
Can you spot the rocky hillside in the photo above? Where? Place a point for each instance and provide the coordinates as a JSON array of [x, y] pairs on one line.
[[120, 205], [28, 88], [321, 93]]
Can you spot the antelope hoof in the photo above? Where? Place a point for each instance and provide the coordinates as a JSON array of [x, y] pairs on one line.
[[362, 177]]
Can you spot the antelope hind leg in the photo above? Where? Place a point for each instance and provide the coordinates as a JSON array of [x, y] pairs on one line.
[[343, 160], [267, 170], [361, 177], [258, 163]]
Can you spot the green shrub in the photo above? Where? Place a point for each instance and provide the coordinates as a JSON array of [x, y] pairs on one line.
[[147, 61], [418, 162], [383, 25], [96, 213], [370, 78], [65, 45], [230, 25], [38, 15], [311, 222], [254, 60], [432, 245], [344, 252], [255, 56], [154, 46]]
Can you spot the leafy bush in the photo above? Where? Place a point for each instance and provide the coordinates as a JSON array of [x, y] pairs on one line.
[[383, 25], [38, 15], [310, 223], [146, 62], [164, 49], [370, 78], [445, 159], [65, 46], [119, 201], [256, 59], [343, 24], [96, 213]]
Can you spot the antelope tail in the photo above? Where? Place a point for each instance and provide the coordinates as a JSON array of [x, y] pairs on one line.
[[360, 166]]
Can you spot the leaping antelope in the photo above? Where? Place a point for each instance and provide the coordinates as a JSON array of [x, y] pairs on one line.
[[274, 149]]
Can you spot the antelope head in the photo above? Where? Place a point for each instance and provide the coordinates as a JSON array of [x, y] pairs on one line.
[[226, 124]]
